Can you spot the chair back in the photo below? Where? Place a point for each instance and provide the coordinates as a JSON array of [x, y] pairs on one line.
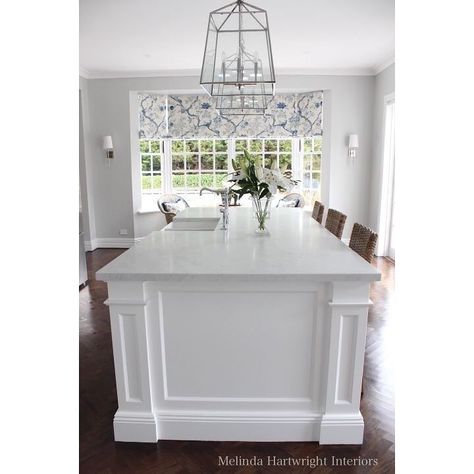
[[363, 241], [335, 222], [170, 205], [318, 211], [291, 200]]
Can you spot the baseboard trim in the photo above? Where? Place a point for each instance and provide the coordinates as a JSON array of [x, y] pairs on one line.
[[135, 427], [241, 427], [341, 429], [110, 243], [238, 426]]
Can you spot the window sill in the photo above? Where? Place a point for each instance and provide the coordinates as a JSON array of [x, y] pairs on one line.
[[148, 211]]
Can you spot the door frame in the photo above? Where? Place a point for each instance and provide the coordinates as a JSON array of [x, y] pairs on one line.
[[388, 180]]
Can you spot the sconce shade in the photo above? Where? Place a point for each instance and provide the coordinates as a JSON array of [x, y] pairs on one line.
[[354, 141], [107, 143]]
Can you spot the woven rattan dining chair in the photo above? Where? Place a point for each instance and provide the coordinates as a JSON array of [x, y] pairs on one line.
[[291, 200], [363, 241], [318, 211], [335, 222], [170, 205]]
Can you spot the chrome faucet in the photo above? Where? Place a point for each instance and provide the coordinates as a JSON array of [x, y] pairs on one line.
[[224, 193]]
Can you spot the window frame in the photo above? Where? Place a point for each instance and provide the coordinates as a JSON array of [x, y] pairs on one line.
[[152, 172], [297, 154], [264, 153], [200, 153], [310, 190]]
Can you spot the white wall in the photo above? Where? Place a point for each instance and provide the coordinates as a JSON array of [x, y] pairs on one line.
[[384, 85], [348, 108]]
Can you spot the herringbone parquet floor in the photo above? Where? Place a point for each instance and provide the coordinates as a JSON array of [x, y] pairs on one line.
[[98, 402]]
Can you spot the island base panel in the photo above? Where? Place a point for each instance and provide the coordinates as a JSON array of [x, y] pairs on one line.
[[239, 361]]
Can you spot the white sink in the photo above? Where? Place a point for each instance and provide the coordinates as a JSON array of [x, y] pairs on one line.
[[208, 224]]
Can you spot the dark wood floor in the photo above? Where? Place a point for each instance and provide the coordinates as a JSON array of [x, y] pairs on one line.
[[98, 402]]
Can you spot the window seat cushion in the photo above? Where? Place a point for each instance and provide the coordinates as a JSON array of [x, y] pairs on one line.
[[174, 207]]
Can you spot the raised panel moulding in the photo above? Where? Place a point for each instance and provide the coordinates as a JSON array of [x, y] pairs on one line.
[[218, 370], [347, 345], [195, 116], [128, 334]]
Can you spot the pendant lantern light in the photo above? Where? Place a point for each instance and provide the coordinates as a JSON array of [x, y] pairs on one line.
[[237, 66]]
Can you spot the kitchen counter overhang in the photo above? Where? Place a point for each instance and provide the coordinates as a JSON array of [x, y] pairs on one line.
[[297, 248]]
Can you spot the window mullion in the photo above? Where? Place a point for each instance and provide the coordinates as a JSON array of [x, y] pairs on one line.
[[297, 160], [166, 168], [230, 154]]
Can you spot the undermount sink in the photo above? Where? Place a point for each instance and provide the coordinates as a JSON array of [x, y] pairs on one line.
[[198, 224]]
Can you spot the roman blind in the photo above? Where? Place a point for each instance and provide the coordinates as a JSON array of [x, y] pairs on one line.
[[195, 116]]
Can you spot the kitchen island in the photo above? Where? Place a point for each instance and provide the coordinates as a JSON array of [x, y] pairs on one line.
[[228, 335]]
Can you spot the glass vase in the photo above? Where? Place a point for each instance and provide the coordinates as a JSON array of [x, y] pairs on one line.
[[261, 207]]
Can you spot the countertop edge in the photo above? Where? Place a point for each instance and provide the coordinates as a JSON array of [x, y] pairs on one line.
[[176, 277]]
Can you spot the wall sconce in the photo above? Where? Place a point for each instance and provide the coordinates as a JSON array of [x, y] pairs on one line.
[[353, 145], [108, 146]]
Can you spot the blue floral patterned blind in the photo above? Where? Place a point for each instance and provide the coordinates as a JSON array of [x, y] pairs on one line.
[[153, 116], [195, 116]]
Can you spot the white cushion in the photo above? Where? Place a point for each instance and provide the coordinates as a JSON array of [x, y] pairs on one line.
[[289, 203], [174, 207]]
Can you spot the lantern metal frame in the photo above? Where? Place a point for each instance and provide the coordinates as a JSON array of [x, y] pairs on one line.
[[240, 85], [242, 104]]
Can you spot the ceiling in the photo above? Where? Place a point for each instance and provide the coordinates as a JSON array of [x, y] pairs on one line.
[[124, 38]]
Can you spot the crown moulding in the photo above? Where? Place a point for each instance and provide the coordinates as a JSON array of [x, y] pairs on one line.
[[368, 71]]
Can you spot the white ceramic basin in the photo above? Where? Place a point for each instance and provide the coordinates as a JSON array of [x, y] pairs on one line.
[[208, 224]]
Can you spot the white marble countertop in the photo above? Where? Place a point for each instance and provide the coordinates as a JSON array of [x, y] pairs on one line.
[[297, 247]]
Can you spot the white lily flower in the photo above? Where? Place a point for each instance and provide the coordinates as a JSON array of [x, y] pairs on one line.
[[272, 177], [275, 179], [238, 175]]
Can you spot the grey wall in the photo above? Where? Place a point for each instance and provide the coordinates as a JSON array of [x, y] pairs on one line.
[[384, 85], [85, 168], [348, 108], [109, 109]]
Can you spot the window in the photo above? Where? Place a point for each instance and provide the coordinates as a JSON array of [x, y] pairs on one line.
[[151, 153], [270, 149], [184, 166], [311, 180], [197, 164]]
